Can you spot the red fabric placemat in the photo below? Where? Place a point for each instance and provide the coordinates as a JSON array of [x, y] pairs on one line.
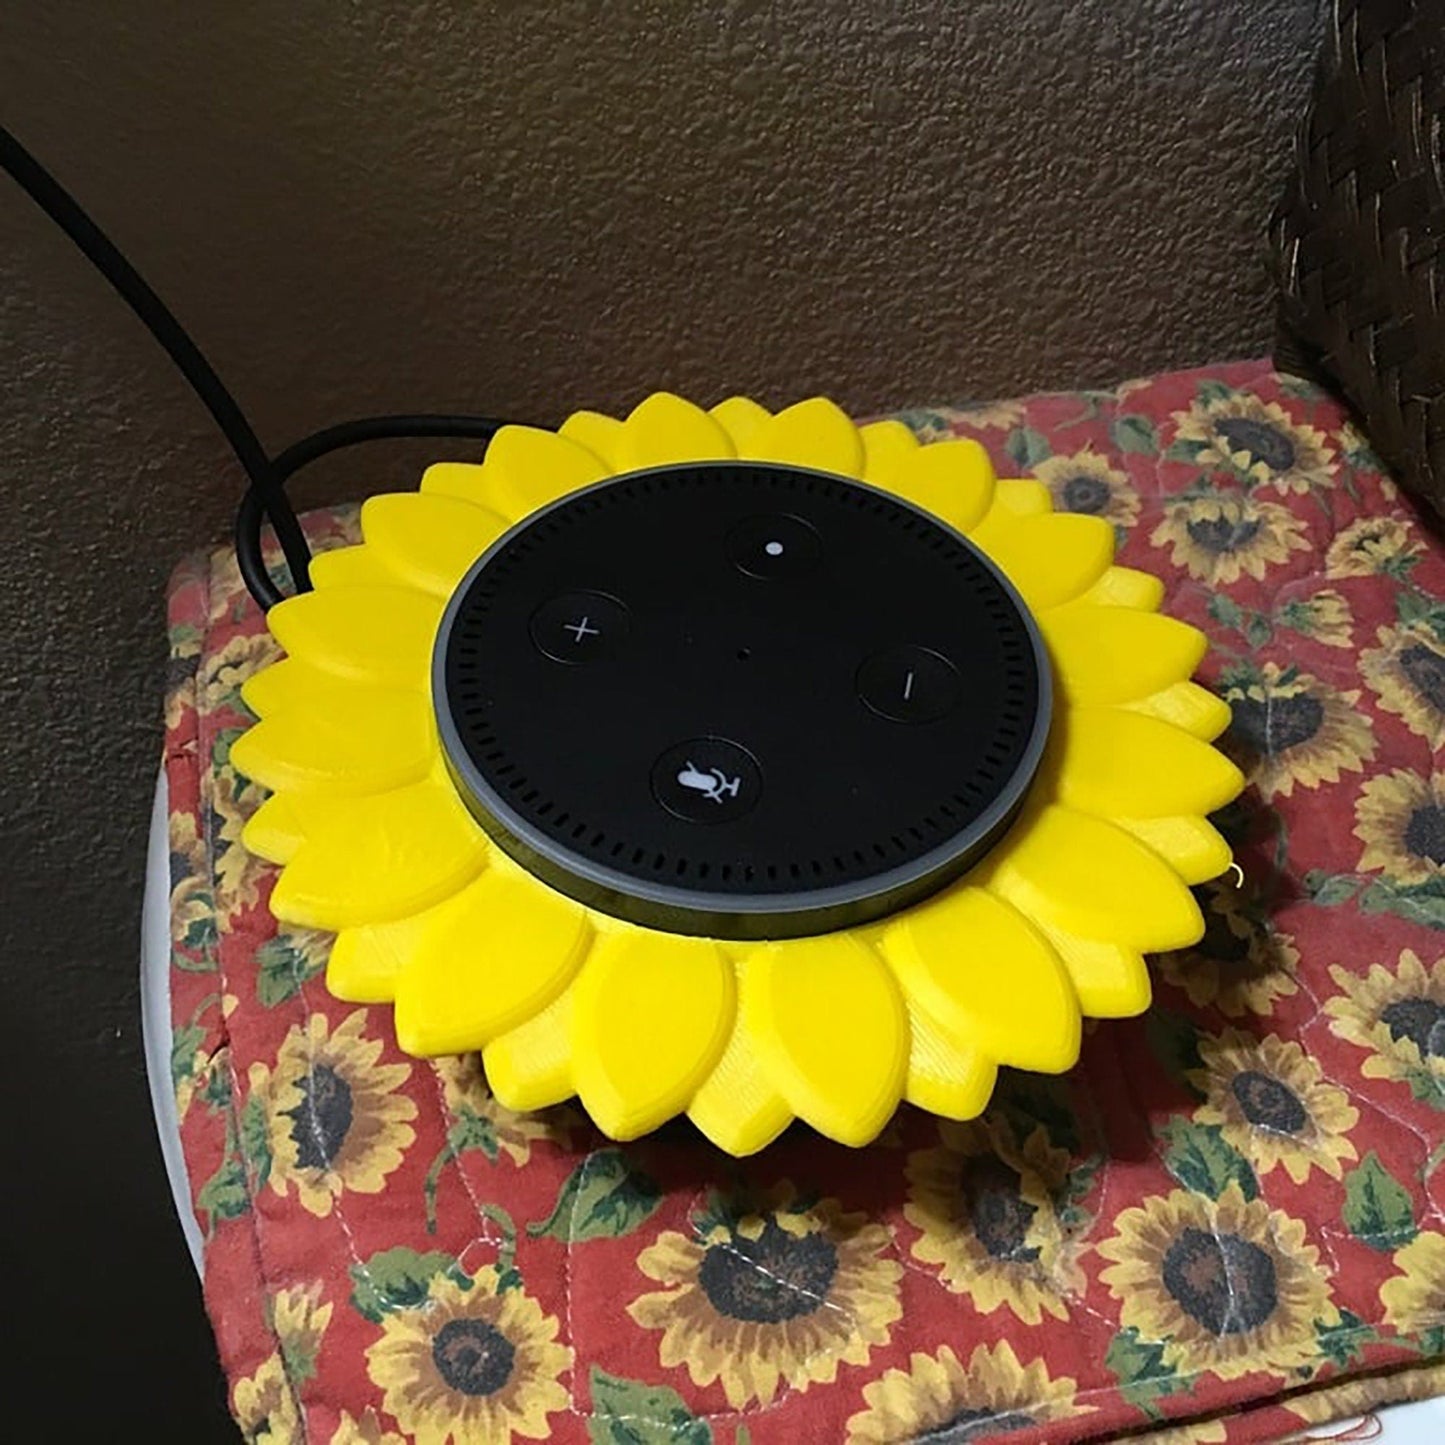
[[1227, 1215]]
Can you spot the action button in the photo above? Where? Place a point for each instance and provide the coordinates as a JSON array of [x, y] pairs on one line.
[[775, 547]]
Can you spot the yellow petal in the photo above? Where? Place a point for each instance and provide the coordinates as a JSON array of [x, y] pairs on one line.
[[465, 480], [379, 635], [382, 858], [1126, 587], [1022, 497], [531, 1067], [1184, 704], [1113, 655], [1055, 558], [988, 978], [951, 479], [652, 1014], [1014, 500], [383, 742], [429, 541], [886, 446], [366, 962], [273, 831], [285, 820], [665, 429], [740, 417], [736, 1106], [830, 1027], [1190, 845], [527, 468], [1081, 875], [487, 961], [946, 1076], [351, 567], [1111, 982], [601, 435], [814, 433], [284, 685], [1115, 762]]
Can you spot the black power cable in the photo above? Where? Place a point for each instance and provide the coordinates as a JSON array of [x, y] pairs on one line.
[[252, 513], [380, 428], [265, 496], [156, 316]]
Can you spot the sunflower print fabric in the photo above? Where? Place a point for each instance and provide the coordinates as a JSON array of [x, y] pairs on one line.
[[1227, 1223], [770, 1296]]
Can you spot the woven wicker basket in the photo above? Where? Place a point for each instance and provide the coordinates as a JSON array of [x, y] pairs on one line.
[[1358, 240]]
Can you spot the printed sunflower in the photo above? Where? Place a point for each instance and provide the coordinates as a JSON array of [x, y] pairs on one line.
[[1400, 818], [1338, 1400], [1355, 449], [191, 1078], [1242, 964], [773, 1297], [298, 1318], [988, 1214], [377, 844], [1086, 483], [986, 415], [181, 665], [367, 1430], [1325, 617], [1229, 1285], [1292, 729], [1192, 1432], [1217, 537], [471, 1363], [1274, 1105], [939, 1398], [227, 805], [1414, 1299], [264, 1405], [1373, 546], [223, 672], [1257, 440], [336, 1119], [186, 844], [192, 910], [1407, 674], [1399, 1017], [466, 1095]]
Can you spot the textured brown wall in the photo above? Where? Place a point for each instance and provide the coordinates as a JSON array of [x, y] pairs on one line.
[[523, 208]]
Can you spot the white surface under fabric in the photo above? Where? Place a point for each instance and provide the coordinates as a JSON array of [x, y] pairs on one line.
[[155, 1006], [1421, 1423]]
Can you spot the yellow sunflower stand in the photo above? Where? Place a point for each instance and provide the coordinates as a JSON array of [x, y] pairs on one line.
[[753, 766]]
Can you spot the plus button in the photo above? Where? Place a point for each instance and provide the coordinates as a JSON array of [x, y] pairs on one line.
[[580, 627]]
